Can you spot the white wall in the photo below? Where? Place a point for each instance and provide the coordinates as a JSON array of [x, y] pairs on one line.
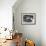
[[30, 31], [6, 13], [6, 18], [43, 22], [28, 6]]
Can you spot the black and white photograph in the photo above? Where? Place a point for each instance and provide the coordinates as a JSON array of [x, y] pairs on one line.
[[28, 18]]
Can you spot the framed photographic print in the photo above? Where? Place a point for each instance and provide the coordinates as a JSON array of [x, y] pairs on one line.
[[28, 18]]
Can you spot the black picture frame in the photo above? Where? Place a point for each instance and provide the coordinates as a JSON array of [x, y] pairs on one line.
[[28, 18]]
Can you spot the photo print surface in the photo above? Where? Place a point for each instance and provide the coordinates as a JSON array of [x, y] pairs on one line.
[[28, 18]]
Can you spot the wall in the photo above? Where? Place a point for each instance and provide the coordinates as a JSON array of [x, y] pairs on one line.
[[43, 22], [29, 31], [6, 18], [6, 13]]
